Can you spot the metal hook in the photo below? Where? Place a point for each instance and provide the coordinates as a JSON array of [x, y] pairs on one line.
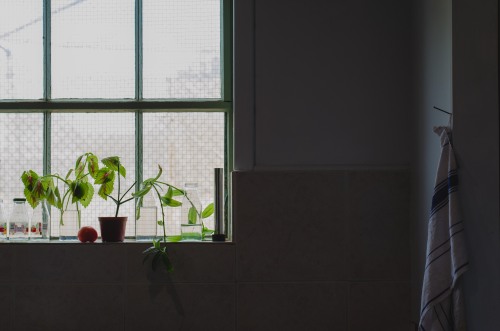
[[444, 111]]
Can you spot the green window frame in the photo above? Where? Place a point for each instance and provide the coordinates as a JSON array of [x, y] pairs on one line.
[[138, 105]]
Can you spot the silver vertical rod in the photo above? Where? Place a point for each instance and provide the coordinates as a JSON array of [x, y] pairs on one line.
[[219, 234]]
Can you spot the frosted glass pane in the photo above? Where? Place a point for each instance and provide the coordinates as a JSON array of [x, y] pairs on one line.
[[93, 49], [181, 49], [104, 134], [21, 146], [188, 146], [21, 49]]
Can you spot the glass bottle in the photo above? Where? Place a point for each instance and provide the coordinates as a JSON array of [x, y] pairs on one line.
[[19, 221], [40, 222], [147, 224], [191, 228], [3, 222]]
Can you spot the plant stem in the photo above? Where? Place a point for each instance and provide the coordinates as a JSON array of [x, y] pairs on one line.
[[162, 215]]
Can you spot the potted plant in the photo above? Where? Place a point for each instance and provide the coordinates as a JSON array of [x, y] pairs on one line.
[[112, 227], [158, 251], [77, 190]]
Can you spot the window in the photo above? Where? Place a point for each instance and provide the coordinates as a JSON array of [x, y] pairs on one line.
[[147, 80]]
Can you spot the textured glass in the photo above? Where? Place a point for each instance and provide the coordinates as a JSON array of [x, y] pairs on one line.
[[188, 146], [21, 49], [21, 146], [93, 49], [181, 49], [104, 134]]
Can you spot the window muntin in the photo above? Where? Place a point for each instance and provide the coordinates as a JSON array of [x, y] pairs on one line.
[[182, 118]]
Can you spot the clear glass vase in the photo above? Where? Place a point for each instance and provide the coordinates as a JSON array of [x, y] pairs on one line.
[[147, 224], [69, 224], [191, 227]]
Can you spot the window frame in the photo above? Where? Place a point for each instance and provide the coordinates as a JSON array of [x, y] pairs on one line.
[[138, 105]]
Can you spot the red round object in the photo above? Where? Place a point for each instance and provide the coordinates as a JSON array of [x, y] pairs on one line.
[[87, 234]]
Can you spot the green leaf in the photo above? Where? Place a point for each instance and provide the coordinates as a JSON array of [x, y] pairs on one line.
[[38, 192], [170, 193], [29, 178], [105, 190], [78, 161], [142, 192], [150, 181], [29, 197], [68, 174], [87, 198], [208, 211], [192, 215], [104, 175], [170, 202], [113, 162], [93, 165], [51, 197], [160, 223], [156, 244], [78, 190], [149, 250], [58, 202], [177, 192]]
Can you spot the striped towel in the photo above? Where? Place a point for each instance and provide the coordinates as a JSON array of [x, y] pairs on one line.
[[442, 299]]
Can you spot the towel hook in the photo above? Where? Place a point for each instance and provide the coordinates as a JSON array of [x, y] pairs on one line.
[[444, 111]]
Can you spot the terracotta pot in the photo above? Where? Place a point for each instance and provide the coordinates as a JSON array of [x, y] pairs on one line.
[[113, 228]]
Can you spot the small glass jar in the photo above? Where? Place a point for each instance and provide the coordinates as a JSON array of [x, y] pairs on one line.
[[40, 222], [191, 227], [19, 221]]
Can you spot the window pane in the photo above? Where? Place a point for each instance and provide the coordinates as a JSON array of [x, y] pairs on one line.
[[188, 146], [181, 49], [93, 49], [104, 134], [21, 143], [21, 49]]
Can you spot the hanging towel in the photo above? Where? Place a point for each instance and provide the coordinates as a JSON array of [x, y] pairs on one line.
[[442, 299]]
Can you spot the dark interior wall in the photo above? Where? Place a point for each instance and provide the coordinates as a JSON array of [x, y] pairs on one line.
[[475, 103], [331, 83]]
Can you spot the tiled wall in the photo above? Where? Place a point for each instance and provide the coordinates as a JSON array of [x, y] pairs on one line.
[[317, 250]]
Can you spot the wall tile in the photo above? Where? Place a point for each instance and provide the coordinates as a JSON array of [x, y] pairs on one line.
[[180, 307], [6, 300], [290, 226], [292, 306], [379, 225], [5, 263], [69, 307], [69, 262], [379, 306], [203, 262]]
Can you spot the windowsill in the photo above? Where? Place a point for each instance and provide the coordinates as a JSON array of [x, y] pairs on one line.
[[99, 242]]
